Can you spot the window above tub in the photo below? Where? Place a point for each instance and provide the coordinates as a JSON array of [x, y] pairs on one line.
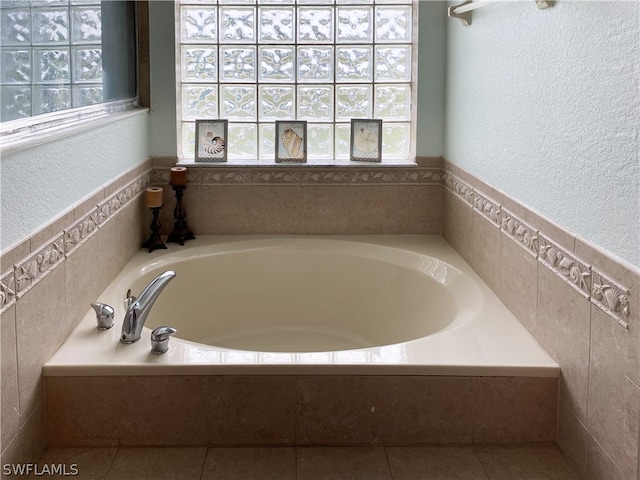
[[58, 69], [254, 62]]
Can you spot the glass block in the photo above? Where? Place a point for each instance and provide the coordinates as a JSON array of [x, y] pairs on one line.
[[199, 64], [86, 25], [50, 66], [199, 24], [50, 26], [238, 102], [199, 101], [355, 24], [188, 141], [351, 2], [276, 25], [277, 64], [243, 141], [51, 99], [316, 2], [237, 24], [393, 24], [393, 102], [277, 102], [393, 64], [381, 2], [315, 24], [15, 27], [315, 102], [87, 65], [320, 141], [267, 141], [205, 2], [315, 64], [342, 140], [16, 102], [353, 101], [237, 2], [16, 66], [84, 2], [276, 2], [396, 140], [83, 95], [48, 3], [354, 64], [238, 64]]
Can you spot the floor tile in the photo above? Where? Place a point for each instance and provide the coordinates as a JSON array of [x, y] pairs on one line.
[[430, 463], [343, 463], [525, 463], [158, 464], [259, 463], [89, 463]]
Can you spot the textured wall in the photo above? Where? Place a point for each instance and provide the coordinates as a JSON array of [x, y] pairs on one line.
[[41, 182], [544, 105]]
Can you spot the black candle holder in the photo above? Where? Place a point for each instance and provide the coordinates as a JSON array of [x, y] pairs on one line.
[[155, 241], [181, 232]]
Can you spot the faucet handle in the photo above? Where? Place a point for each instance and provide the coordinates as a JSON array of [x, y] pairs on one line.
[[160, 339], [104, 315], [128, 301]]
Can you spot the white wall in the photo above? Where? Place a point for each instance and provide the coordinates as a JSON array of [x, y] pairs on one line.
[[39, 183], [544, 105]]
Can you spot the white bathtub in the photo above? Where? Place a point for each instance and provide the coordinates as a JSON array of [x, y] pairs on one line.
[[406, 305]]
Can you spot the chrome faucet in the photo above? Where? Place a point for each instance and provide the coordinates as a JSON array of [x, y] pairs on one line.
[[138, 308]]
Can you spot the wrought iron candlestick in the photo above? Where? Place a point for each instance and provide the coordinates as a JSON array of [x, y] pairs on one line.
[[155, 241], [181, 231]]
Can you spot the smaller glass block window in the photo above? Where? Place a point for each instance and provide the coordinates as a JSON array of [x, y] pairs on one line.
[[254, 62]]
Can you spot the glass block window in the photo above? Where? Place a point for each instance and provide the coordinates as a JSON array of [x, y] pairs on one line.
[[254, 62], [54, 57]]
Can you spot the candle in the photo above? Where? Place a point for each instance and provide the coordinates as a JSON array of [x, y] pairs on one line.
[[153, 197], [178, 176]]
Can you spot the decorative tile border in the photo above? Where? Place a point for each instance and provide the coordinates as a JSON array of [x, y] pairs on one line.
[[7, 290], [595, 286], [212, 176], [37, 266], [80, 232]]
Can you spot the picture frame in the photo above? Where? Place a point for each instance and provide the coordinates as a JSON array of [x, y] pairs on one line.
[[291, 141], [211, 140], [366, 140]]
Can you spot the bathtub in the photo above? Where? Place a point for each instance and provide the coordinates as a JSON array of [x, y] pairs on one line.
[[345, 305]]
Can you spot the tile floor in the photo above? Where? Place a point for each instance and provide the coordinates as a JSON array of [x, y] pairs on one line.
[[314, 463]]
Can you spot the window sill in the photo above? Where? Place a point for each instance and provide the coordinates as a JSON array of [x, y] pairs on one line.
[[342, 163]]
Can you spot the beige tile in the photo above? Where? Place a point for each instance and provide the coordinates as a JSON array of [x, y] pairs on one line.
[[629, 465], [550, 229], [275, 209], [88, 204], [83, 411], [344, 463], [423, 410], [633, 345], [10, 414], [89, 463], [508, 202], [83, 283], [11, 455], [607, 384], [526, 463], [52, 229], [158, 464], [515, 409], [252, 410], [259, 463], [572, 438], [354, 405], [163, 410], [14, 254], [164, 162], [486, 251], [436, 162], [325, 209], [427, 463], [563, 330], [33, 435], [600, 466], [519, 283], [226, 209], [457, 226], [40, 330], [628, 276]]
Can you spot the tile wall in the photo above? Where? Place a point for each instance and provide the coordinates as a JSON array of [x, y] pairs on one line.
[[581, 305], [47, 282]]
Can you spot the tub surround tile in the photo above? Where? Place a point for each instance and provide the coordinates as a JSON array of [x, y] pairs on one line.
[[91, 463], [629, 464], [226, 209], [31, 270], [11, 455], [82, 289], [51, 230], [526, 463], [487, 208], [507, 202], [275, 209], [515, 410], [346, 463], [614, 268], [457, 223], [633, 345], [33, 434], [486, 254], [10, 414], [432, 162], [600, 466], [572, 438], [226, 176], [565, 265], [426, 463], [15, 253], [157, 464], [323, 209], [7, 290], [428, 410], [611, 298], [561, 237], [519, 231], [81, 231], [259, 463]]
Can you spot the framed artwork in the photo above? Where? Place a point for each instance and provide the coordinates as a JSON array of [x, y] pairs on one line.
[[211, 140], [291, 141], [366, 140]]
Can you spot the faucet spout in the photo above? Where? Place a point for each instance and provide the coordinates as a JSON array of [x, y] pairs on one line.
[[138, 309]]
